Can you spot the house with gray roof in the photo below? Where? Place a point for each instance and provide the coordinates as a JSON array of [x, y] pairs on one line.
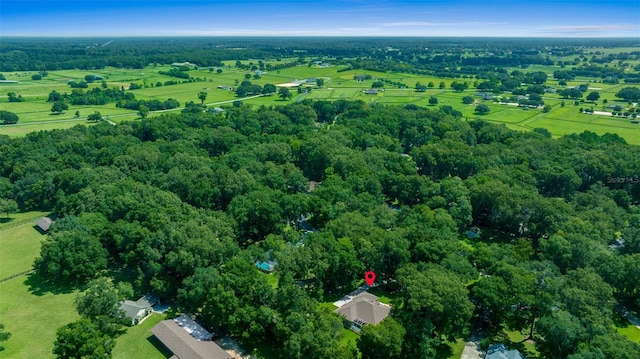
[[500, 351], [183, 345], [364, 309], [138, 310]]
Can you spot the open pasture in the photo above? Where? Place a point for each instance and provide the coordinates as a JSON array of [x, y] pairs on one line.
[[30, 309], [35, 112]]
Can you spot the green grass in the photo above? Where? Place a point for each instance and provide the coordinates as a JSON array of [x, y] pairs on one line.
[[627, 329], [631, 332], [139, 342], [32, 312], [457, 348], [349, 336], [527, 348], [338, 85], [19, 246], [273, 280], [30, 309], [383, 297], [15, 219]]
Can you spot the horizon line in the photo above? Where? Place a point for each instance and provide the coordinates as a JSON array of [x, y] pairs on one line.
[[323, 36]]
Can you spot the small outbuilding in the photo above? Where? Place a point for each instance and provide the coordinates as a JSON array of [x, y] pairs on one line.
[[44, 224]]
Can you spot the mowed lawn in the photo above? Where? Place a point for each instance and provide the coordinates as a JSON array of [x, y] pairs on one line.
[[139, 342], [32, 318], [29, 310], [19, 246], [338, 85], [32, 311]]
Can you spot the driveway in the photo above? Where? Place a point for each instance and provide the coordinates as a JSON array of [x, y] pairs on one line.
[[472, 349], [349, 297], [628, 314]]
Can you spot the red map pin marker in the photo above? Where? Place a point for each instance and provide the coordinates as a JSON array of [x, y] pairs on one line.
[[370, 277]]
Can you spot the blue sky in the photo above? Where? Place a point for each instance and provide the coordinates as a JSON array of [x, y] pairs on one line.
[[541, 18]]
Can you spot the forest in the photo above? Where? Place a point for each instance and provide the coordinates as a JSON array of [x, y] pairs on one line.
[[183, 205]]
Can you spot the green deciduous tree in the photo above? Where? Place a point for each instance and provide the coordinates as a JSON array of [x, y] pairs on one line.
[[59, 107], [95, 117], [434, 301], [73, 255], [101, 298], [268, 89], [82, 339], [593, 96], [284, 93], [630, 94], [7, 118], [143, 111], [468, 100], [202, 95], [382, 341], [8, 206], [13, 97], [562, 332], [4, 336], [482, 109]]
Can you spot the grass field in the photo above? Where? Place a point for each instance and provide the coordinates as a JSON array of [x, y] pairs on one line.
[[631, 332], [30, 310], [17, 246], [35, 113], [139, 342], [33, 310], [32, 315]]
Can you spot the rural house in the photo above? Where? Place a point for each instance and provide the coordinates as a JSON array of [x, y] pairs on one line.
[[140, 309], [371, 92], [364, 309], [499, 351], [184, 338]]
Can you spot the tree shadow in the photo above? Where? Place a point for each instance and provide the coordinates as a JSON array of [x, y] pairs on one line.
[[159, 346], [6, 219], [40, 286], [443, 350]]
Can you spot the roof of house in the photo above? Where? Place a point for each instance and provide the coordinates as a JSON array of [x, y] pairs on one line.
[[371, 91], [364, 309], [147, 300], [44, 223], [499, 351], [131, 308], [313, 185], [193, 328], [183, 345]]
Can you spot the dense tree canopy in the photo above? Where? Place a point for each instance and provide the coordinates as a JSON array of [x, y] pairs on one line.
[[187, 203], [82, 339]]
